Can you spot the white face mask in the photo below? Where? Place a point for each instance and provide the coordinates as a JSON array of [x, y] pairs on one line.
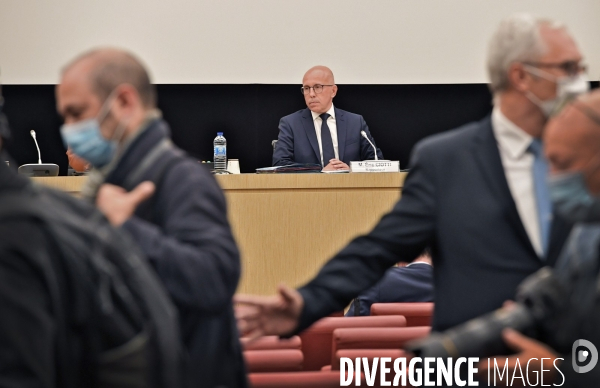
[[566, 87]]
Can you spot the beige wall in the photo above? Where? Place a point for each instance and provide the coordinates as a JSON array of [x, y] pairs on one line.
[[275, 41]]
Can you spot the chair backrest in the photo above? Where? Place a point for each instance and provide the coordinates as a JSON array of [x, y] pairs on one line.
[[313, 379], [379, 338], [317, 339], [272, 342], [286, 360], [274, 143], [416, 313]]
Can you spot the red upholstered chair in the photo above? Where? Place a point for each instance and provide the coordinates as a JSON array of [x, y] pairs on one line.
[[316, 340], [296, 380], [271, 342], [286, 360], [416, 314], [380, 338]]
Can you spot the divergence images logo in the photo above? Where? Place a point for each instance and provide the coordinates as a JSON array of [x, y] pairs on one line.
[[581, 356]]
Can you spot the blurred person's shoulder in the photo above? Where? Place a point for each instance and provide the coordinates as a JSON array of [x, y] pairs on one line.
[[453, 146], [457, 137]]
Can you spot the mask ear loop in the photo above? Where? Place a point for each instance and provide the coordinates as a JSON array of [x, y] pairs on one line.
[[595, 163], [535, 72], [117, 135], [119, 132], [106, 107], [587, 110], [540, 73]]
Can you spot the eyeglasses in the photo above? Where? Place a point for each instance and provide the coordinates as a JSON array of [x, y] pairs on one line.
[[571, 68], [317, 88]]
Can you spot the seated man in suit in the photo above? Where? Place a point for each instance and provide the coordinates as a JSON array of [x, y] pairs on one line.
[[322, 134], [408, 282], [76, 163]]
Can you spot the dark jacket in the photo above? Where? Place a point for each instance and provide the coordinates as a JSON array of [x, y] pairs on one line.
[[455, 200], [55, 327], [183, 229], [413, 283], [36, 348], [579, 270], [297, 141]]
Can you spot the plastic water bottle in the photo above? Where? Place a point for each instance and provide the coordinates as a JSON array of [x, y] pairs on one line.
[[220, 154]]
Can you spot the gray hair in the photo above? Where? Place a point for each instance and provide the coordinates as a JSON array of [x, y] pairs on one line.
[[113, 67], [517, 39]]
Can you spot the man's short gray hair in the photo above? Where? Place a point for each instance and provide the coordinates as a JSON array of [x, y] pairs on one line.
[[517, 39]]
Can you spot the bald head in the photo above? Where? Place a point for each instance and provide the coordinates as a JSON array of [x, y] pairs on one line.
[[577, 125], [105, 69], [572, 139], [592, 100], [320, 99], [322, 72]]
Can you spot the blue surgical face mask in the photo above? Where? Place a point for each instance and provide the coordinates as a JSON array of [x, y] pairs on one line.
[[86, 141], [571, 198]]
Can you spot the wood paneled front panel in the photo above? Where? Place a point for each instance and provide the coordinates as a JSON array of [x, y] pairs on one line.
[[288, 225]]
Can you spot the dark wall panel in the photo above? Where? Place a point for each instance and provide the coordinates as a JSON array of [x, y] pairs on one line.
[[398, 116], [33, 107]]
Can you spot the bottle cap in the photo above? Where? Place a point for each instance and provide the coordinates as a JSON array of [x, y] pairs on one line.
[[219, 133]]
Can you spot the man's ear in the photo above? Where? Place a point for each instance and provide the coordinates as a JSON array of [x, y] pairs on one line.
[[334, 87], [127, 99], [518, 77]]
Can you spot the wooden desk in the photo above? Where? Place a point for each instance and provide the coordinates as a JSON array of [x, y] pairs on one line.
[[288, 225], [70, 184]]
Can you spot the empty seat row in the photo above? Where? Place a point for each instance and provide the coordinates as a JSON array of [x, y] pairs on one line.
[[312, 359]]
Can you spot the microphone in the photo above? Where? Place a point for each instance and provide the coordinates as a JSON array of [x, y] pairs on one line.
[[364, 134], [39, 169], [32, 133]]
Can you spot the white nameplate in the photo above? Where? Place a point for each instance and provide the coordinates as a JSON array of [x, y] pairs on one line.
[[375, 166]]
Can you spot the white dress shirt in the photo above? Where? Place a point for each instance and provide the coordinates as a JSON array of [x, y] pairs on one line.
[[518, 168], [332, 128]]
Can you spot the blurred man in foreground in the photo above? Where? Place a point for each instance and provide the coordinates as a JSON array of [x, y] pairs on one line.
[[476, 195], [572, 142], [66, 321], [109, 106], [322, 134]]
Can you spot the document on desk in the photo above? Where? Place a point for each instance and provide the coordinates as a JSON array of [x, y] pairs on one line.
[[297, 168], [335, 172]]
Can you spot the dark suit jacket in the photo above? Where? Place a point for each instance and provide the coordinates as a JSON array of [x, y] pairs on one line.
[[455, 200], [400, 284], [184, 232], [297, 141]]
